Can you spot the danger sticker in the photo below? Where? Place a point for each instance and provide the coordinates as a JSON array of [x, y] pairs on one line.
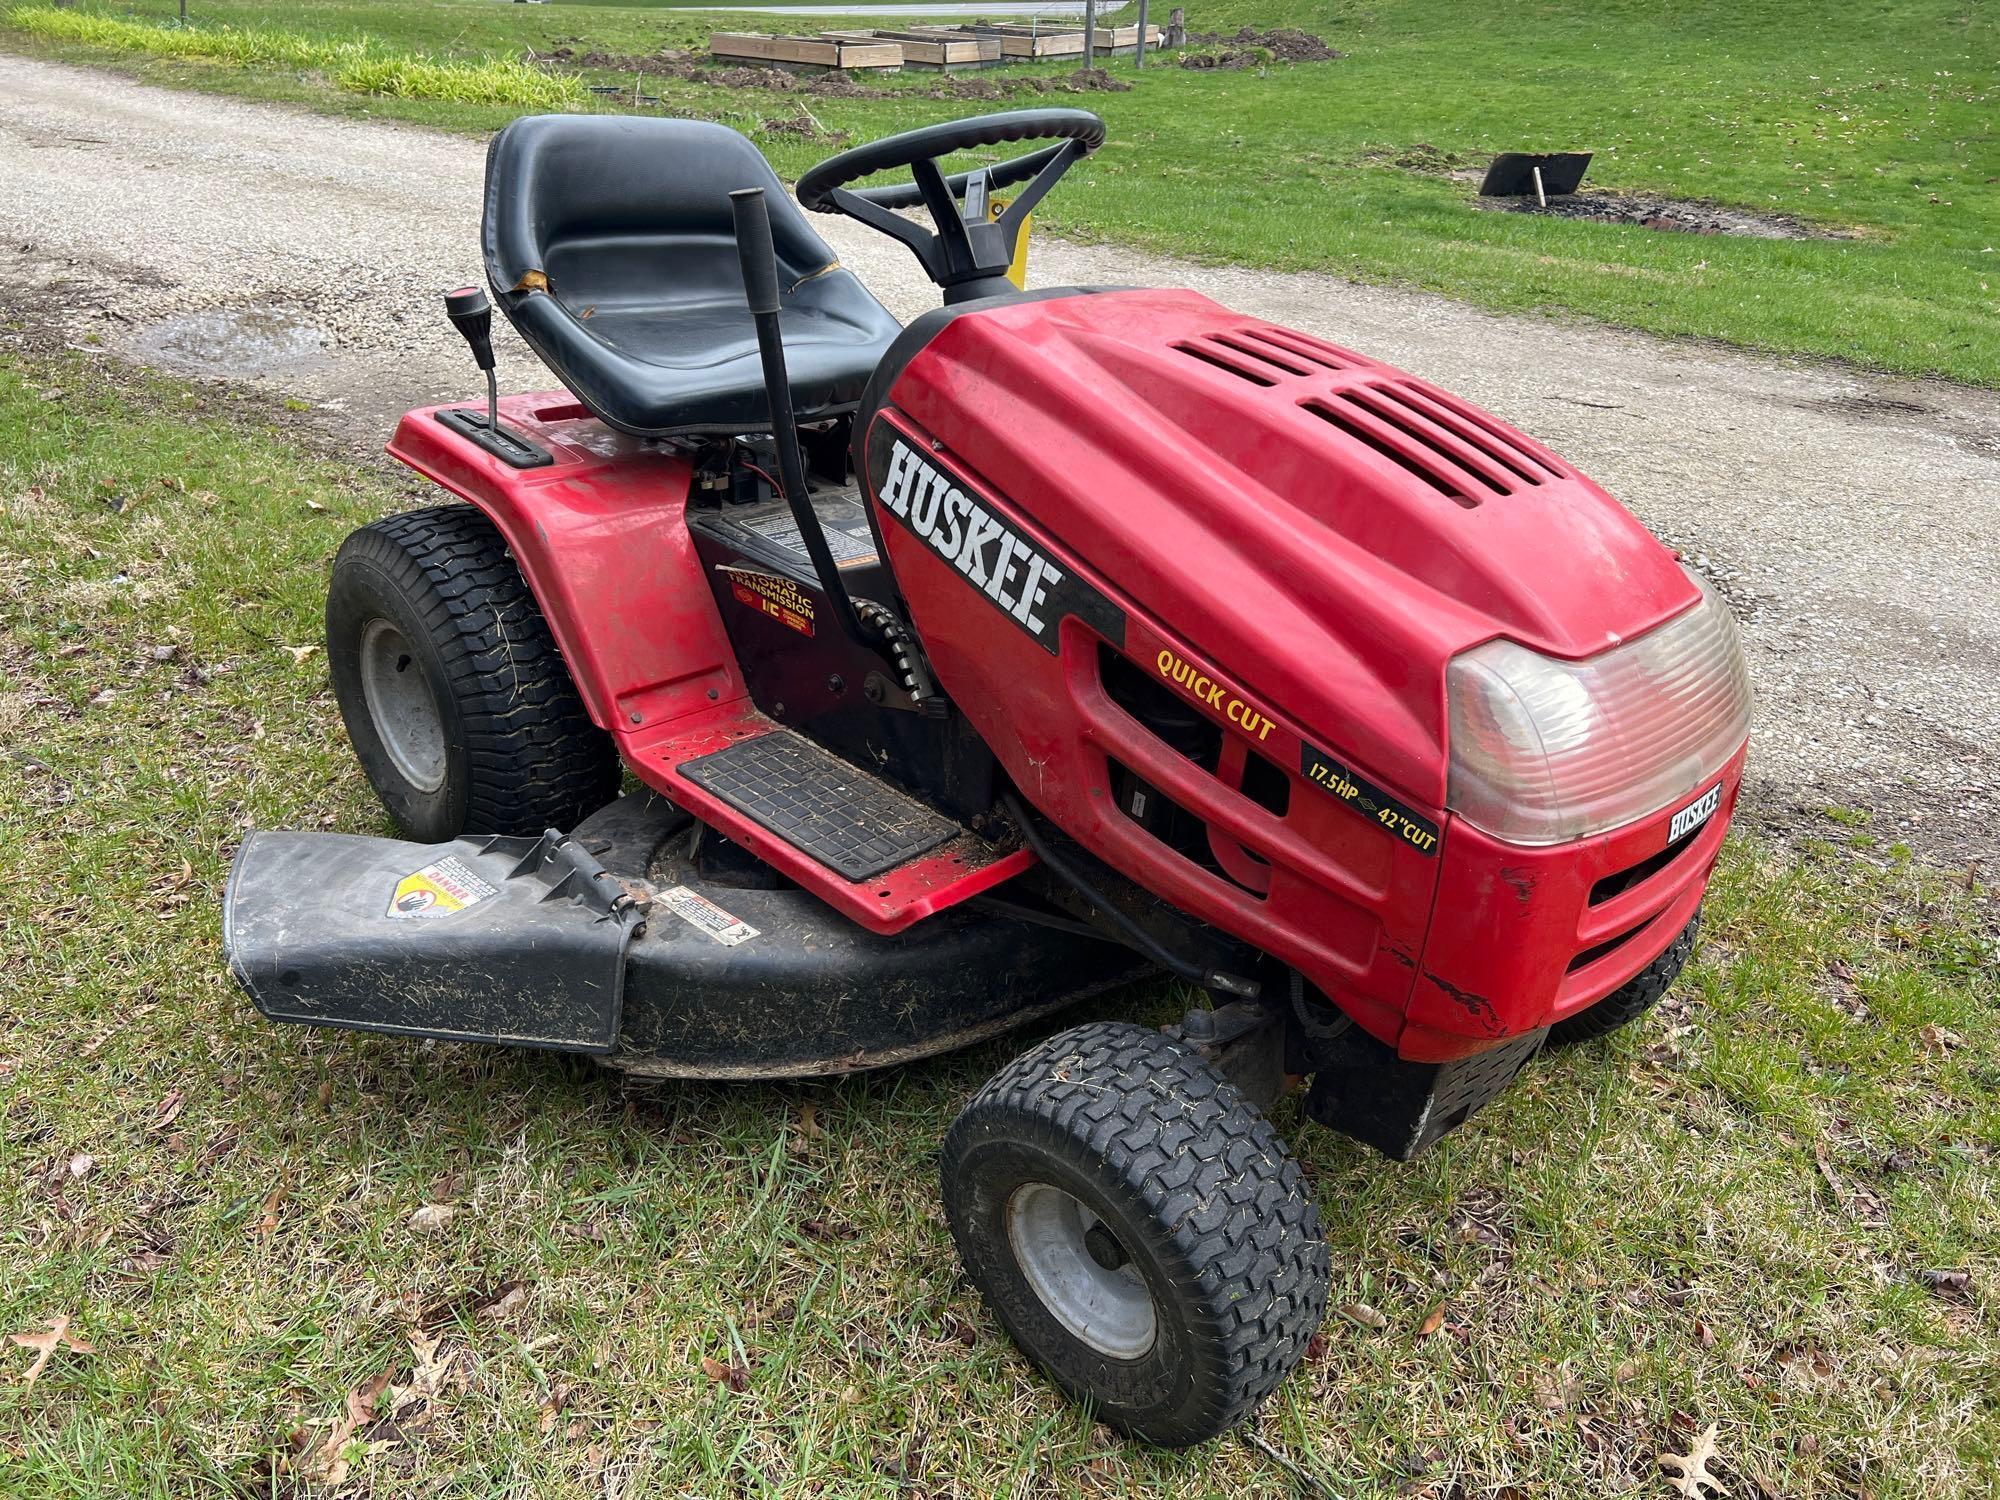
[[437, 891], [780, 598], [697, 910]]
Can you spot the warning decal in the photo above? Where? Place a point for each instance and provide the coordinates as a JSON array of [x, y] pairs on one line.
[[698, 911], [438, 890]]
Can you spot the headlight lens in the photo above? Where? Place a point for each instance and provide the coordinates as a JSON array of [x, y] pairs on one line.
[[1546, 751]]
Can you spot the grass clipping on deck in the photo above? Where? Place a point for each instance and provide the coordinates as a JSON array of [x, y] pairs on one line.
[[355, 65]]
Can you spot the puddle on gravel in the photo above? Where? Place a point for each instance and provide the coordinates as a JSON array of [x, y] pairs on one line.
[[238, 341]]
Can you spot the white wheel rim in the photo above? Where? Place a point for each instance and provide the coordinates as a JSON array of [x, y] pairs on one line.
[[1107, 1307], [401, 709]]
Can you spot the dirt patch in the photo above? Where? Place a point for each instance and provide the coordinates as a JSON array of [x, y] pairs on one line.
[[1093, 81], [1423, 157], [1675, 215], [668, 64], [1281, 44], [806, 126]]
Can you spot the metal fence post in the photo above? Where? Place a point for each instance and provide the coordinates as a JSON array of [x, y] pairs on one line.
[[1139, 51], [1089, 34]]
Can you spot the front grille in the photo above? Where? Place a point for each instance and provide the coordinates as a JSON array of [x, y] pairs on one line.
[[1232, 762], [1608, 946], [1646, 869]]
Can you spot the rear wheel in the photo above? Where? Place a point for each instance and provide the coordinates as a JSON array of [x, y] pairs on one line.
[[460, 708], [1139, 1228], [1630, 1000]]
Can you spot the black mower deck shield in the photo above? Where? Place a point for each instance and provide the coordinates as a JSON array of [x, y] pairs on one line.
[[710, 968], [511, 940]]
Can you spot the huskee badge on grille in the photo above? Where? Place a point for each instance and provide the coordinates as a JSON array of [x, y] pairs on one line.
[[993, 558]]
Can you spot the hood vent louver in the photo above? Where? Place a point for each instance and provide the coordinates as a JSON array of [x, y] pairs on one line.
[[1450, 446], [1454, 448], [1266, 355], [1346, 414]]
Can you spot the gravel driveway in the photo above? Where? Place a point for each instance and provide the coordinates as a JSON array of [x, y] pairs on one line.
[[1853, 519]]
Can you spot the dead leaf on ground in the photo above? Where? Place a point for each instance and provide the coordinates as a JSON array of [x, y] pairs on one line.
[[734, 1376], [433, 1363], [809, 1120], [1691, 1470], [433, 1218], [80, 1164], [1366, 1316], [1953, 1286], [1433, 1323], [326, 1460], [1937, 1039], [268, 1223], [300, 653], [170, 1110], [45, 1344]]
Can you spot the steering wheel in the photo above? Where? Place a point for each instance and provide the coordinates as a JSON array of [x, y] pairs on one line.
[[966, 255]]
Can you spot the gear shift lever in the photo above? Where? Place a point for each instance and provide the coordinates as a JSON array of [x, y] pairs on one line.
[[472, 315]]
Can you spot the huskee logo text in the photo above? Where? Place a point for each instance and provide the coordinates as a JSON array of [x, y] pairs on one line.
[[1009, 570]]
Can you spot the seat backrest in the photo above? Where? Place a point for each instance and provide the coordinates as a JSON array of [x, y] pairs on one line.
[[613, 210]]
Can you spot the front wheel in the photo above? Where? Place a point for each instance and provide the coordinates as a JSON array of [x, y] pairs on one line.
[[1139, 1228]]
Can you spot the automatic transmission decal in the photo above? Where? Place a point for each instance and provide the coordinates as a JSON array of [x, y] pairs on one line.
[[1025, 583], [1393, 817]]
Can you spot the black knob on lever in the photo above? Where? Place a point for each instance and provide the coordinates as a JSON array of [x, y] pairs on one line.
[[472, 315]]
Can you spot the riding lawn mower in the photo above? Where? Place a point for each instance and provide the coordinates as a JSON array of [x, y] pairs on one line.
[[797, 693]]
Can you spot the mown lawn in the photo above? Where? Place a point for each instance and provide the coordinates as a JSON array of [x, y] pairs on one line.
[[315, 1263], [1874, 119]]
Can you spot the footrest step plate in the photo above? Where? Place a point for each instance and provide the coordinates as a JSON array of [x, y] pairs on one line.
[[855, 824]]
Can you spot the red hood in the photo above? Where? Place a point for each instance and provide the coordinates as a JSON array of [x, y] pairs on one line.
[[1325, 528]]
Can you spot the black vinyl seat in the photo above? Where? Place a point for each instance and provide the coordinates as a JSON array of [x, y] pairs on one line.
[[609, 245]]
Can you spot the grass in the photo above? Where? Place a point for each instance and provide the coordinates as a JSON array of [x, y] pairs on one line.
[[1872, 119], [346, 65], [1735, 1214]]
